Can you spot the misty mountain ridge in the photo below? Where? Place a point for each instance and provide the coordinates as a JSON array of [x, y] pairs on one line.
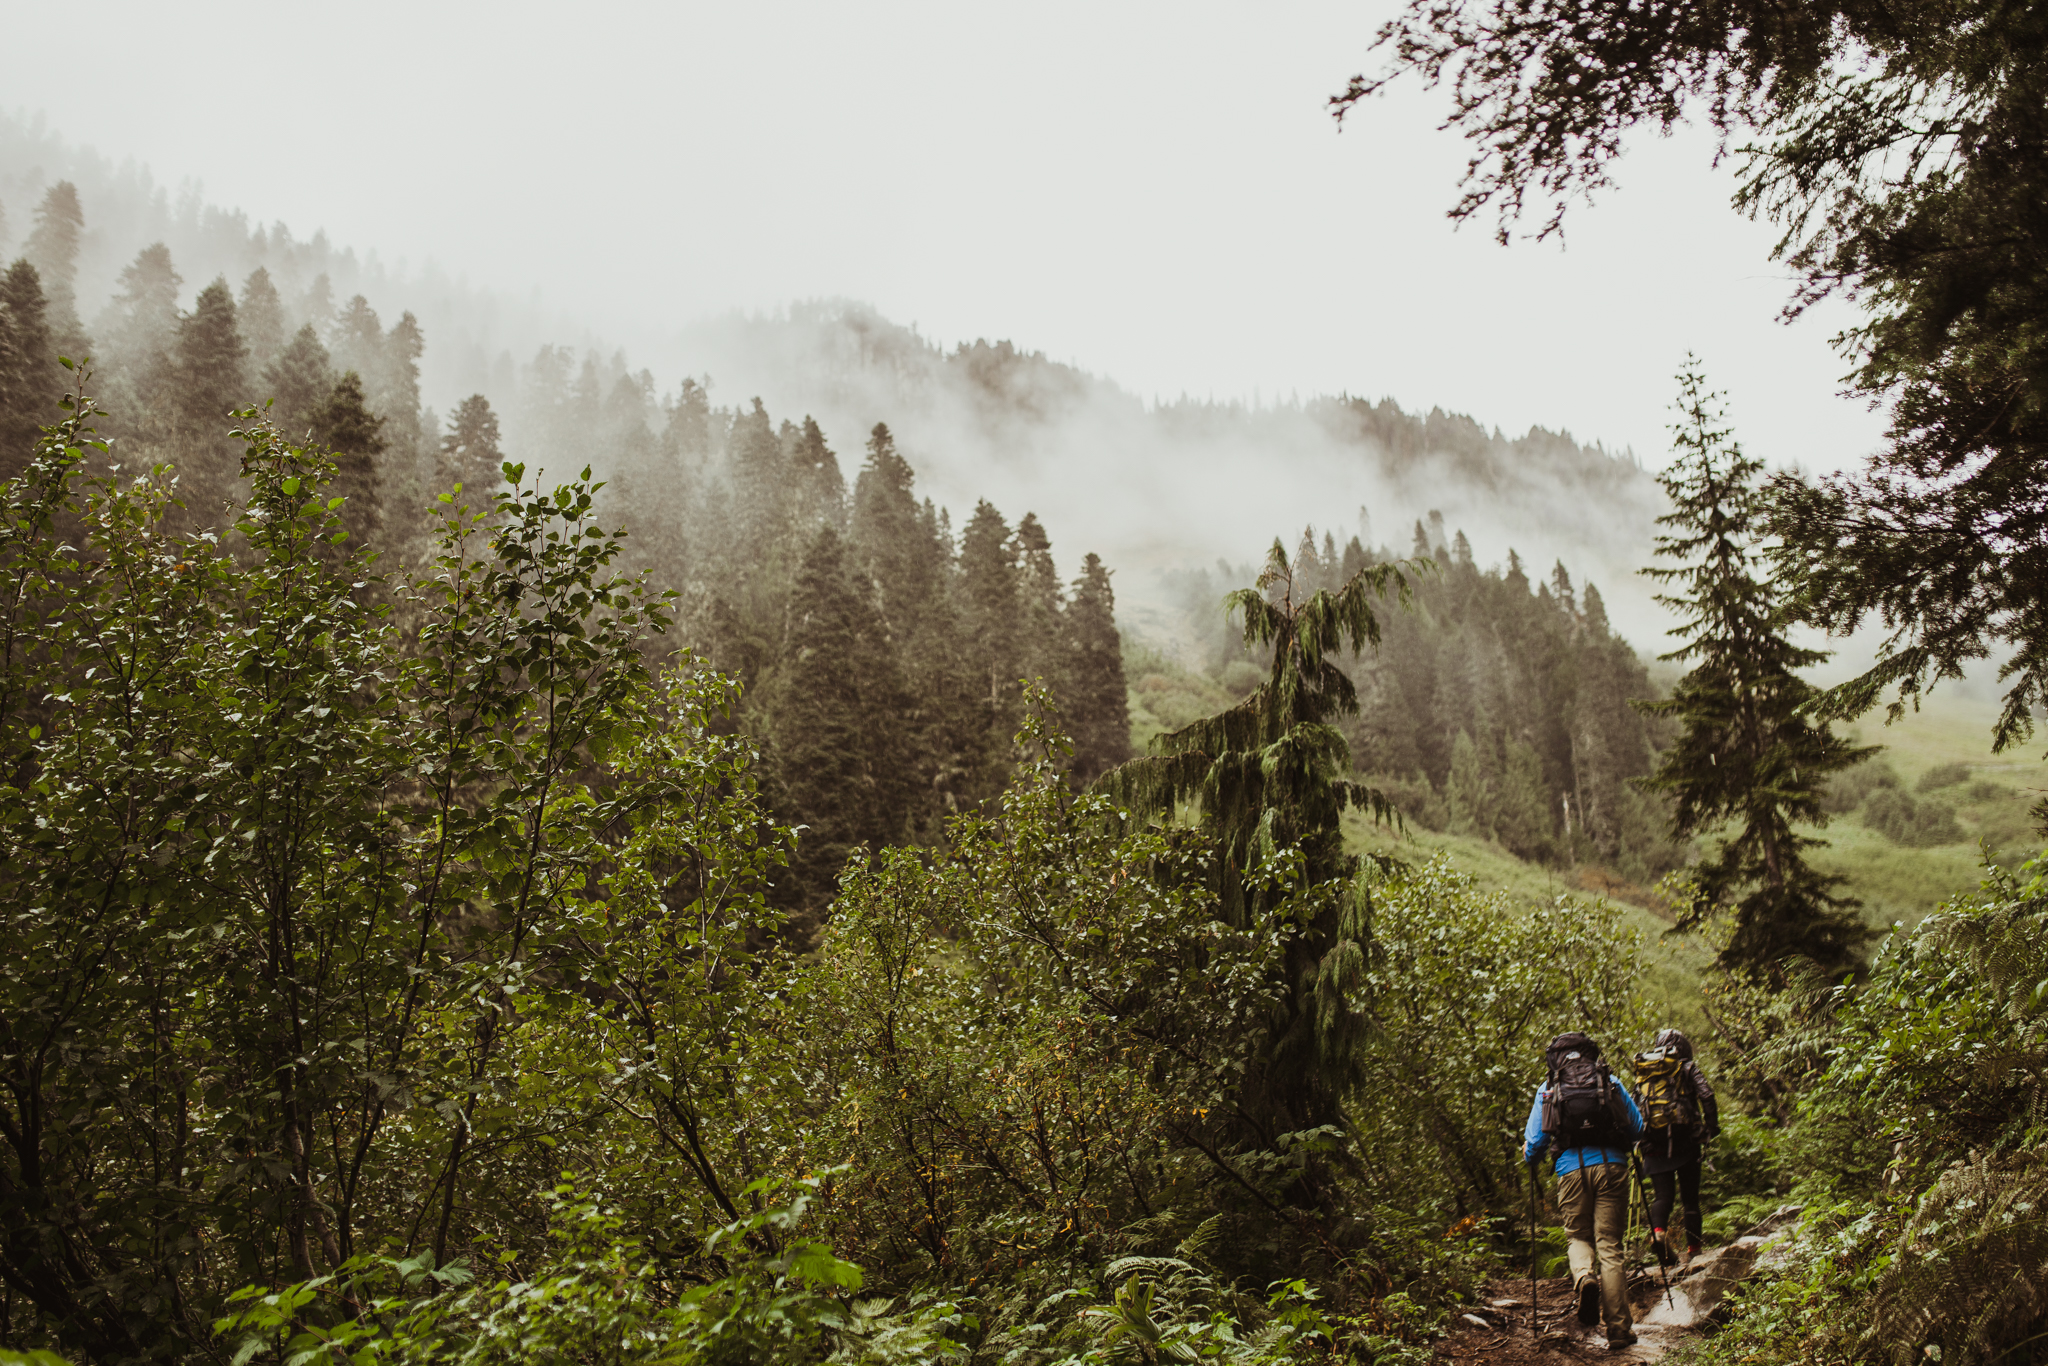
[[1158, 488]]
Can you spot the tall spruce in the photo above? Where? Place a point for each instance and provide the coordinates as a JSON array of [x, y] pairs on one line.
[[1748, 759], [345, 425], [262, 319], [53, 250], [1268, 776], [207, 378], [29, 373], [470, 452], [136, 333], [1096, 704], [841, 761], [298, 382]]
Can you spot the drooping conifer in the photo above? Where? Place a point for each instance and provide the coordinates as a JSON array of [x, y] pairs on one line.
[[1268, 776], [1749, 763]]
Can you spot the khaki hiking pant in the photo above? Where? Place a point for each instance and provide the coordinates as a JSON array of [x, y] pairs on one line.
[[1594, 1203]]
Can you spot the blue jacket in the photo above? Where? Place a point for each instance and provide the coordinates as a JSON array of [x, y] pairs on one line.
[[1534, 1141]]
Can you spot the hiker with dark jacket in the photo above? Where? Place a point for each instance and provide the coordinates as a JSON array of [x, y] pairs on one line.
[[1589, 1120], [1679, 1112]]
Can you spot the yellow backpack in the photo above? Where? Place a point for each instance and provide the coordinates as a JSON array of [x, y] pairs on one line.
[[1665, 1091]]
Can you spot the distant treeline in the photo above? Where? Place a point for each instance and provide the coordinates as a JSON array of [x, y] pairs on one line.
[[882, 653], [1498, 708]]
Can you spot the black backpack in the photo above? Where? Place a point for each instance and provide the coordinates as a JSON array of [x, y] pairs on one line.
[[1582, 1106]]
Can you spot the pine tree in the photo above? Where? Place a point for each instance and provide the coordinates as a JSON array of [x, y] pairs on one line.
[[30, 378], [345, 425], [298, 382], [841, 760], [137, 331], [208, 380], [688, 433], [1041, 634], [53, 250], [891, 539], [988, 597], [1267, 776], [1096, 704], [262, 319], [470, 453], [1748, 756], [821, 488], [1469, 793]]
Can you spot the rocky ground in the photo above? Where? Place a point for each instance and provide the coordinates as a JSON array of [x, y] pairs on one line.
[[1500, 1330]]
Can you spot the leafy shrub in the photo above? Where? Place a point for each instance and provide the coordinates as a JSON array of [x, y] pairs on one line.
[[1920, 1152], [779, 1297], [1942, 775], [1916, 824], [1464, 990]]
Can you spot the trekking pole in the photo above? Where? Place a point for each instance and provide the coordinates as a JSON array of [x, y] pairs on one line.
[[1643, 1194], [1535, 1327]]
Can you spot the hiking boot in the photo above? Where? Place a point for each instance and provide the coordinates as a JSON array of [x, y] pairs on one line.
[[1692, 1254], [1660, 1245], [1588, 1292], [1621, 1341]]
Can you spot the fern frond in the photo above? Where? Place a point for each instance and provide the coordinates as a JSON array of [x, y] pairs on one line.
[[1971, 1271]]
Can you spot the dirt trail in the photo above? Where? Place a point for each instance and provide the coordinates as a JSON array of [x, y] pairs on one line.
[[1497, 1331]]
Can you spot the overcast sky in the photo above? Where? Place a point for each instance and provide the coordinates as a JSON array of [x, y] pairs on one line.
[[1151, 191]]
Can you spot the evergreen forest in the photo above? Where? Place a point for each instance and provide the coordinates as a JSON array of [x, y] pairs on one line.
[[666, 889]]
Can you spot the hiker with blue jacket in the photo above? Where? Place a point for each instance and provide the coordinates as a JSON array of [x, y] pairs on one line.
[[1590, 1122]]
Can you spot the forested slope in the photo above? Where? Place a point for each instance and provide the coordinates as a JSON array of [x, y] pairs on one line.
[[977, 419]]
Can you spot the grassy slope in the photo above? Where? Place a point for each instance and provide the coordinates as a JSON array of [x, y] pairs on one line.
[[1899, 884], [1894, 883]]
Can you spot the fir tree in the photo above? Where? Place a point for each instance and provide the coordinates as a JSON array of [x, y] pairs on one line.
[[470, 453], [298, 382], [1041, 636], [841, 760], [1468, 794], [1267, 776], [1747, 757], [30, 378], [760, 481], [891, 538], [53, 250], [821, 488], [687, 436], [137, 332], [356, 339], [262, 319], [1097, 702], [988, 591], [208, 380], [345, 425]]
